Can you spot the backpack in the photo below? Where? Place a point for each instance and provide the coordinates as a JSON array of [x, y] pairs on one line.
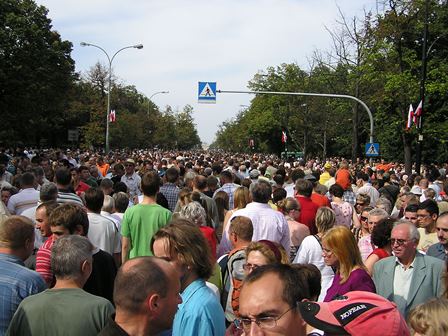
[[233, 280]]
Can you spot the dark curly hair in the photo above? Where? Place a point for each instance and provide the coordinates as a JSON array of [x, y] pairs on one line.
[[381, 232]]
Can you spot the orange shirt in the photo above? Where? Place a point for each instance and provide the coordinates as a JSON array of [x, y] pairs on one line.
[[343, 178], [103, 169]]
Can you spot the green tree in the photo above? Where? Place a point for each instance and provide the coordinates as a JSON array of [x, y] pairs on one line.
[[186, 133], [36, 72]]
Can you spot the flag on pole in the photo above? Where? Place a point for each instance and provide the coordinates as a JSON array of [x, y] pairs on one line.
[[251, 143], [410, 117], [284, 137], [419, 110], [112, 116]]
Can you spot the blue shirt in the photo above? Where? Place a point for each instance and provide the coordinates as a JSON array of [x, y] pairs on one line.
[[438, 251], [171, 193], [16, 283], [200, 312], [229, 189]]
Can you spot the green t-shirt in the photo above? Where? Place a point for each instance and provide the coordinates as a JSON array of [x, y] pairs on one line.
[[140, 223], [65, 311]]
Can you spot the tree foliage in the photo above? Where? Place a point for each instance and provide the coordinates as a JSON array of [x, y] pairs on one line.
[[377, 59], [36, 73]]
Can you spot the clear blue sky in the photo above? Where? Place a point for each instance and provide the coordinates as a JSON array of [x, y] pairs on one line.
[[186, 41]]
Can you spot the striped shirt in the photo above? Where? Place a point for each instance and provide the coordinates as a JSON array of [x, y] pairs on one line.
[[25, 199], [43, 262], [69, 197]]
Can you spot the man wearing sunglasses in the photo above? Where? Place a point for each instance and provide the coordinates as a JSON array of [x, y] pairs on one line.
[[408, 278]]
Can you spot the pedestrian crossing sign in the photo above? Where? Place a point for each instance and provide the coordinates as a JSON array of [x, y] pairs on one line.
[[207, 92], [372, 149]]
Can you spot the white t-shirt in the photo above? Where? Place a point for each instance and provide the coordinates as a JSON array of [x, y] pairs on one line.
[[103, 233], [310, 252]]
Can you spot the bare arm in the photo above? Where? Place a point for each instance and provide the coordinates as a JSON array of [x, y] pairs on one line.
[[370, 261], [355, 219], [125, 248]]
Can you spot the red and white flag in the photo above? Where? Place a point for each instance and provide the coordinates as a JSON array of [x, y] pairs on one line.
[[284, 137], [112, 116], [419, 110], [410, 117]]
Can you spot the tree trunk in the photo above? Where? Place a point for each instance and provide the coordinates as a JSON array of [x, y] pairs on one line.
[[407, 142]]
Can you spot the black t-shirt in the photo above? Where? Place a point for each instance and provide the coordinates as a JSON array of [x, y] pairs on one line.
[[101, 281]]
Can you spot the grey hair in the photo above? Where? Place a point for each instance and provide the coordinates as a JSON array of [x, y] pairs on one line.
[[67, 255], [413, 231], [48, 192], [384, 203], [108, 204], [189, 176], [378, 212], [121, 200], [194, 212]]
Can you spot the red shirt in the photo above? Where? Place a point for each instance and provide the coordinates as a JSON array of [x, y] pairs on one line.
[[210, 237], [308, 211], [320, 200], [81, 188]]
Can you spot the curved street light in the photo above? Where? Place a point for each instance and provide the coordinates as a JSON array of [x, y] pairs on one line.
[[136, 46], [155, 93]]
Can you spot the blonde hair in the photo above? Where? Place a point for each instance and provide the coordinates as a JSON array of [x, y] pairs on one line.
[[288, 204], [342, 243], [270, 250], [241, 198], [325, 219], [429, 318], [185, 196]]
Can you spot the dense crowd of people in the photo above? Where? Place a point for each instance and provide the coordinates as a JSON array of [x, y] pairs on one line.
[[213, 243]]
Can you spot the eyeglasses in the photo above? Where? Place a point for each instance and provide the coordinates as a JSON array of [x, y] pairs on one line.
[[359, 204], [326, 251], [363, 218], [399, 242], [267, 322], [250, 267], [423, 216]]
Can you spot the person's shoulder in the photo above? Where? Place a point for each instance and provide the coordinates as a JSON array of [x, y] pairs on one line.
[[385, 261], [95, 300], [34, 300], [432, 261], [433, 248], [362, 273]]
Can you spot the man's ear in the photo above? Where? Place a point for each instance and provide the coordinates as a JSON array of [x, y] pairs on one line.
[[86, 267], [79, 230], [153, 302]]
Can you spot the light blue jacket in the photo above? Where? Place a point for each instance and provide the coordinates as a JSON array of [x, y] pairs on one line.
[[426, 280]]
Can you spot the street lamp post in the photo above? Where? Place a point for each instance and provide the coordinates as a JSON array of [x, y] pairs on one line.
[[84, 44], [155, 93]]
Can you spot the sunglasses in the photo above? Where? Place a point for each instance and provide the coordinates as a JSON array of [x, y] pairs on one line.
[[359, 204], [363, 218]]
